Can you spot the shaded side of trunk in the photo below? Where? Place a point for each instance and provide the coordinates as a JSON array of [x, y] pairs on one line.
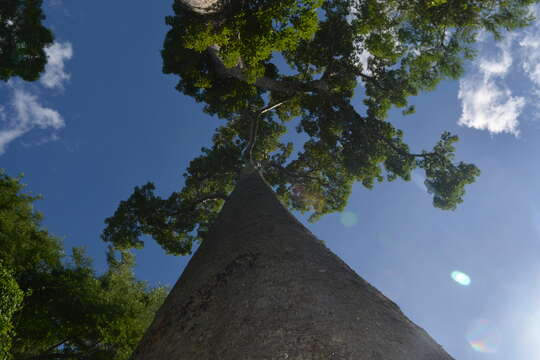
[[263, 287]]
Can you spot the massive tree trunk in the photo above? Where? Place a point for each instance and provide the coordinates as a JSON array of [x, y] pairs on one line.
[[261, 286]]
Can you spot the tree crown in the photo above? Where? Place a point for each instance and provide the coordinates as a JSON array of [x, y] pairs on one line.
[[306, 60], [53, 306]]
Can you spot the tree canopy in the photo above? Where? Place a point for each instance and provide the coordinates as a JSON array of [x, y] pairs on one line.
[[53, 306], [23, 39], [260, 64]]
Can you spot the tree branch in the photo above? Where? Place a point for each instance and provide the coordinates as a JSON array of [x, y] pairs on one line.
[[203, 199], [292, 87], [248, 151], [289, 87], [296, 176], [57, 345], [238, 73], [50, 356], [55, 356], [405, 153]]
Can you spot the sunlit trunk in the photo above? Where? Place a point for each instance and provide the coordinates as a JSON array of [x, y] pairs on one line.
[[263, 287], [203, 6]]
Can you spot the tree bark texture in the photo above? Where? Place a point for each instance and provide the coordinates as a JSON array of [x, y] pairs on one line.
[[208, 7], [262, 286], [202, 7]]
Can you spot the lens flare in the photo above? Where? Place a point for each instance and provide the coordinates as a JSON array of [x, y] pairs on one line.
[[461, 278], [483, 336], [348, 219]]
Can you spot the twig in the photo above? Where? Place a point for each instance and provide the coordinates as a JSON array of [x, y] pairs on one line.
[[254, 129]]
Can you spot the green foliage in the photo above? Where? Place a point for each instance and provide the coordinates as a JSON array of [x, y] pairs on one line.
[[24, 244], [232, 62], [22, 39], [176, 222], [250, 31], [445, 180], [11, 297], [68, 310]]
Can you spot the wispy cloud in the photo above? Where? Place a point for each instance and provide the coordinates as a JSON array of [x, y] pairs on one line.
[[25, 111], [24, 114], [488, 106], [55, 75], [419, 180], [487, 102], [529, 46], [530, 49]]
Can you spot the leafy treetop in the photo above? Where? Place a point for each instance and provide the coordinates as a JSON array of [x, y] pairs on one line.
[[306, 59], [11, 297], [57, 307]]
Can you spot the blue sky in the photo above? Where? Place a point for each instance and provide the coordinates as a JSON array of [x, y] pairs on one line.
[[104, 119]]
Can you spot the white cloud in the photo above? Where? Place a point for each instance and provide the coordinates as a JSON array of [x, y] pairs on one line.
[[498, 66], [530, 52], [7, 136], [55, 75], [530, 47], [26, 113], [487, 106], [29, 111], [487, 103], [419, 180]]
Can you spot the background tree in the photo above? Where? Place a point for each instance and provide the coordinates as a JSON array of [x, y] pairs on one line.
[[11, 297], [57, 307], [261, 64], [23, 39]]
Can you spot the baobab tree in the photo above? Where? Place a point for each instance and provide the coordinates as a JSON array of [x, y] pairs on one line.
[[261, 286]]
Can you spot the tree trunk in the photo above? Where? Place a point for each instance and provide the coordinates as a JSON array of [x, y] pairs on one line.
[[262, 286], [203, 7]]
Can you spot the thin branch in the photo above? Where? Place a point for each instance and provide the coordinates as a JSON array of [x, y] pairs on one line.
[[272, 107], [54, 356], [57, 345], [254, 127], [50, 356], [292, 87], [405, 153], [205, 198], [349, 108], [296, 176], [252, 138], [238, 73]]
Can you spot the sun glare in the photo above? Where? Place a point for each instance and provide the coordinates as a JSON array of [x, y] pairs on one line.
[[461, 278], [483, 336], [349, 219]]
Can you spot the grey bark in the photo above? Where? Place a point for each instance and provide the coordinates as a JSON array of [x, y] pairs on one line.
[[261, 286], [203, 7], [289, 87], [210, 7]]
